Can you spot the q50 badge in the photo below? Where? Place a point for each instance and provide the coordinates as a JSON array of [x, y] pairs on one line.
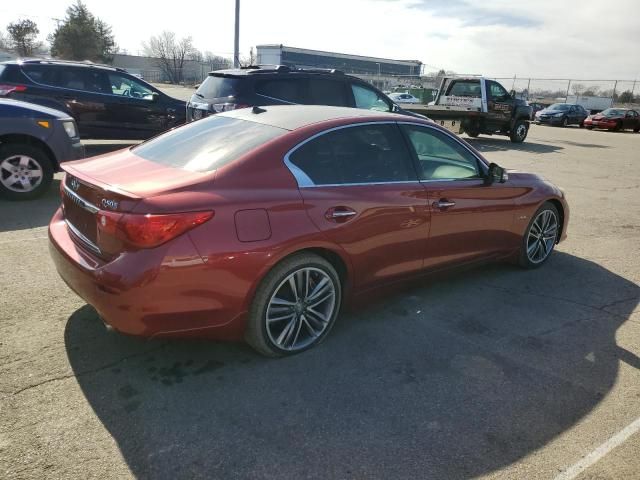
[[109, 204]]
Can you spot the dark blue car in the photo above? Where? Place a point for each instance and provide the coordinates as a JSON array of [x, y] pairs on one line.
[[34, 140]]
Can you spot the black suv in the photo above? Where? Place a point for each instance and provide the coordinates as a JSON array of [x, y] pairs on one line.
[[106, 102], [276, 85]]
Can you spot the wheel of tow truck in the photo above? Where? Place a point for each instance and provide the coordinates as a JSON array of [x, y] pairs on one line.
[[472, 131], [565, 122], [519, 131], [25, 171]]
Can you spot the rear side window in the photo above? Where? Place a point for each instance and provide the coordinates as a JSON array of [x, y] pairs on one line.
[[354, 155], [465, 89], [287, 90], [43, 74], [327, 92], [207, 144], [216, 87]]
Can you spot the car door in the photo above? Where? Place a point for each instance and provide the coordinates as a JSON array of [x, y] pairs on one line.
[[360, 188], [629, 121], [322, 91], [499, 105], [469, 218], [133, 109]]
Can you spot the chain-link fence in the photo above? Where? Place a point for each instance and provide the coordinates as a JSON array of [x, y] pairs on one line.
[[548, 90]]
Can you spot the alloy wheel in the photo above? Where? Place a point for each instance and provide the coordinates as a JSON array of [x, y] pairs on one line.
[[20, 173], [300, 309], [542, 236]]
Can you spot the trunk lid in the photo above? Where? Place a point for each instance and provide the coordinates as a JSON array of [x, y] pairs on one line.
[[114, 184]]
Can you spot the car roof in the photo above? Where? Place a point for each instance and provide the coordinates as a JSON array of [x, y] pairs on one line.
[[292, 117], [32, 108]]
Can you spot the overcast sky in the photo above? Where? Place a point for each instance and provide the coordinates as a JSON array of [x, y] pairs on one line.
[[544, 38]]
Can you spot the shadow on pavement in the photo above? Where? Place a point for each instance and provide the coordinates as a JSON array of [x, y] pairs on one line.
[[453, 379], [490, 144], [26, 214]]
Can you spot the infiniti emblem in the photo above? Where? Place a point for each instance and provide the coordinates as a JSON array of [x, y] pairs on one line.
[[75, 184]]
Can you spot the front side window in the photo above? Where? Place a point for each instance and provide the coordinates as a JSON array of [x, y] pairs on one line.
[[127, 87], [286, 90], [369, 99], [354, 155], [207, 144], [441, 157], [497, 91]]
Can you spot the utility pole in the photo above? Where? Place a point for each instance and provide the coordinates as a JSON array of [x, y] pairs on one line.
[[236, 42]]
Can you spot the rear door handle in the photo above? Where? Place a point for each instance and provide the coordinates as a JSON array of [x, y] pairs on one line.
[[339, 214], [443, 203]]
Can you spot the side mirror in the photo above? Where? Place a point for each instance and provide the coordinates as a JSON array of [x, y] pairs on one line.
[[395, 108], [496, 174], [196, 86], [512, 93], [155, 96]]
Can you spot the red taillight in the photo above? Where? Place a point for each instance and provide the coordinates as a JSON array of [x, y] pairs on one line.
[[7, 89], [151, 230]]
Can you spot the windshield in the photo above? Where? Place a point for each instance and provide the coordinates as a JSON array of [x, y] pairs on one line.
[[610, 112], [216, 87], [207, 144], [560, 106]]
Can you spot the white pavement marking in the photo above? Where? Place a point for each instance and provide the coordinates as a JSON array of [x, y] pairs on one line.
[[619, 438]]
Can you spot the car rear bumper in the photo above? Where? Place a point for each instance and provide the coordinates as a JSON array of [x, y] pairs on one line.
[[156, 292]]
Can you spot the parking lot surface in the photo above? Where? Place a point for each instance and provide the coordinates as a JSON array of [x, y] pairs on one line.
[[493, 373]]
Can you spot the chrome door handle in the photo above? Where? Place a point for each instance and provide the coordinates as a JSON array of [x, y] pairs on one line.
[[341, 214], [443, 204]]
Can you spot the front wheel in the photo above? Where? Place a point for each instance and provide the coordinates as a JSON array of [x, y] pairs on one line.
[[25, 171], [565, 122], [295, 306], [540, 237], [519, 131]]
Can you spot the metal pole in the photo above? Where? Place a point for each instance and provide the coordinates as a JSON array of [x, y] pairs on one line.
[[567, 95], [633, 90], [236, 42], [613, 95], [528, 89]]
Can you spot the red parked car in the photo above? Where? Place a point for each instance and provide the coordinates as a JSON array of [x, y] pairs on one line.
[[262, 223], [614, 119]]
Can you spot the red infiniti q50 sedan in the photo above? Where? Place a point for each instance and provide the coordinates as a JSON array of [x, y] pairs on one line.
[[262, 223]]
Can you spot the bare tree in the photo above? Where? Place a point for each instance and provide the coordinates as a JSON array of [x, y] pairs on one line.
[[250, 60], [577, 88], [170, 53], [5, 44], [591, 91]]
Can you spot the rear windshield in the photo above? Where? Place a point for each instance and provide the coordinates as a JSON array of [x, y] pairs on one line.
[[207, 144], [613, 111], [215, 87]]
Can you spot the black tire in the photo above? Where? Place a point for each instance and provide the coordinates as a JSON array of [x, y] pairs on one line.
[[519, 131], [37, 158], [472, 130], [618, 127], [523, 258], [256, 333], [565, 122], [581, 124], [589, 128], [636, 130]]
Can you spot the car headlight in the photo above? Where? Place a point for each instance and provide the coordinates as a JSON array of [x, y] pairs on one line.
[[70, 127]]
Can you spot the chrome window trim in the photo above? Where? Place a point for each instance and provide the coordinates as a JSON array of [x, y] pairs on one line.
[[304, 181], [276, 99], [81, 202], [76, 232]]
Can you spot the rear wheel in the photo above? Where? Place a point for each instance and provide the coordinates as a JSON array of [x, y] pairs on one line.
[[25, 171], [295, 306], [589, 128], [565, 122], [519, 131], [618, 127], [472, 130], [637, 129], [540, 237]]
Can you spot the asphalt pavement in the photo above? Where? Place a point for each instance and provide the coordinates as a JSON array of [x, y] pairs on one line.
[[495, 373]]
